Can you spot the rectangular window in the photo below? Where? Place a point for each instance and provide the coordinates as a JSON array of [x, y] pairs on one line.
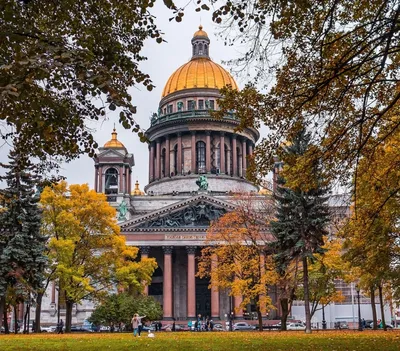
[[201, 104], [212, 106], [169, 108]]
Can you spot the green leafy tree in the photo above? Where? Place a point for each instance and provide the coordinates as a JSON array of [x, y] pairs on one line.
[[117, 310], [302, 214], [22, 259], [86, 251], [65, 62]]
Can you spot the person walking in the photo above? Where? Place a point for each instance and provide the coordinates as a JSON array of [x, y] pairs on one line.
[[60, 327]]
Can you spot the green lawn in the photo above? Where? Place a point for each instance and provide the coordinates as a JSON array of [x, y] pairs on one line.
[[187, 341]]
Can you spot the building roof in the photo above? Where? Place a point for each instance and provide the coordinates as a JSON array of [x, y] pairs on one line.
[[137, 191], [114, 143], [200, 33], [200, 71]]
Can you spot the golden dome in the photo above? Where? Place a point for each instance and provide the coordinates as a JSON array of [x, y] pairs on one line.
[[199, 73], [200, 32], [137, 191], [114, 142]]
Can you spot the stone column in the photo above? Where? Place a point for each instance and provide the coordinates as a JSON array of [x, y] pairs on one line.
[[179, 165], [101, 180], [167, 157], [144, 252], [121, 184], [167, 285], [214, 292], [244, 156], [193, 153], [96, 179], [222, 153], [158, 159], [251, 149], [238, 309], [234, 156], [151, 163], [208, 152], [191, 282]]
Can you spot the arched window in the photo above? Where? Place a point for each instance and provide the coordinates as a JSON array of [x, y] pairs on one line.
[[111, 181], [201, 157], [176, 159], [200, 49], [163, 173]]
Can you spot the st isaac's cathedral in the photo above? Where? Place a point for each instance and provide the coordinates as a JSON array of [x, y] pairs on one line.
[[195, 164]]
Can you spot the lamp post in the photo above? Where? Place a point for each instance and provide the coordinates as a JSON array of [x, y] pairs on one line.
[[359, 310], [323, 317]]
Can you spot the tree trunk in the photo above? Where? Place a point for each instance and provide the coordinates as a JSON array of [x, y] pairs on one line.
[[5, 309], [38, 312], [306, 296], [373, 306], [259, 317], [26, 319], [68, 315], [382, 307], [2, 307], [15, 312], [285, 312]]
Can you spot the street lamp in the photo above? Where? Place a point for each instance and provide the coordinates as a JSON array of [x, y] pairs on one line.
[[359, 310], [323, 317]]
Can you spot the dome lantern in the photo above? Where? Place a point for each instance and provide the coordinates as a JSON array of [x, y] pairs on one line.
[[200, 44]]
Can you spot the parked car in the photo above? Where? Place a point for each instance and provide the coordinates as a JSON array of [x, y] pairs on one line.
[[341, 325], [50, 329], [81, 329], [243, 326], [296, 326], [147, 328], [218, 326], [178, 327]]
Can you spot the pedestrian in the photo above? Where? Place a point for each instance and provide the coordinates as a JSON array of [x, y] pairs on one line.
[[60, 327], [190, 325], [159, 326], [140, 326], [199, 322], [211, 325], [173, 326], [135, 324], [363, 324]]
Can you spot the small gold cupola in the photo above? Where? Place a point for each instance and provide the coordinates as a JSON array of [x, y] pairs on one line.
[[114, 143], [137, 191]]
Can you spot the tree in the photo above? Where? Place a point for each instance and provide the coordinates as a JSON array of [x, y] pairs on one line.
[[237, 259], [326, 269], [64, 62], [87, 253], [117, 310], [22, 259], [334, 65], [372, 234], [302, 213]]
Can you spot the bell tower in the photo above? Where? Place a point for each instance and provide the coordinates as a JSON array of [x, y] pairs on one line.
[[113, 174]]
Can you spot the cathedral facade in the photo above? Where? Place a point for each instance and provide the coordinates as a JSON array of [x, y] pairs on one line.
[[196, 163]]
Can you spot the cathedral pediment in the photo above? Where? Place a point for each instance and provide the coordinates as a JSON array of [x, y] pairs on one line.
[[196, 212], [111, 153]]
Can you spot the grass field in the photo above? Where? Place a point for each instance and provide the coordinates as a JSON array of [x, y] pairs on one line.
[[237, 341]]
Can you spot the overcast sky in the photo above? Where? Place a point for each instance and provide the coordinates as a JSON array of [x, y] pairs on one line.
[[163, 60]]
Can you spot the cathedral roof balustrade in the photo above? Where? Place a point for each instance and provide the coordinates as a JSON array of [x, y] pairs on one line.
[[186, 115]]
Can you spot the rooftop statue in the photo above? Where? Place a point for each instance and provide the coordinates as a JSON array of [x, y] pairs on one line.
[[202, 182], [122, 211]]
